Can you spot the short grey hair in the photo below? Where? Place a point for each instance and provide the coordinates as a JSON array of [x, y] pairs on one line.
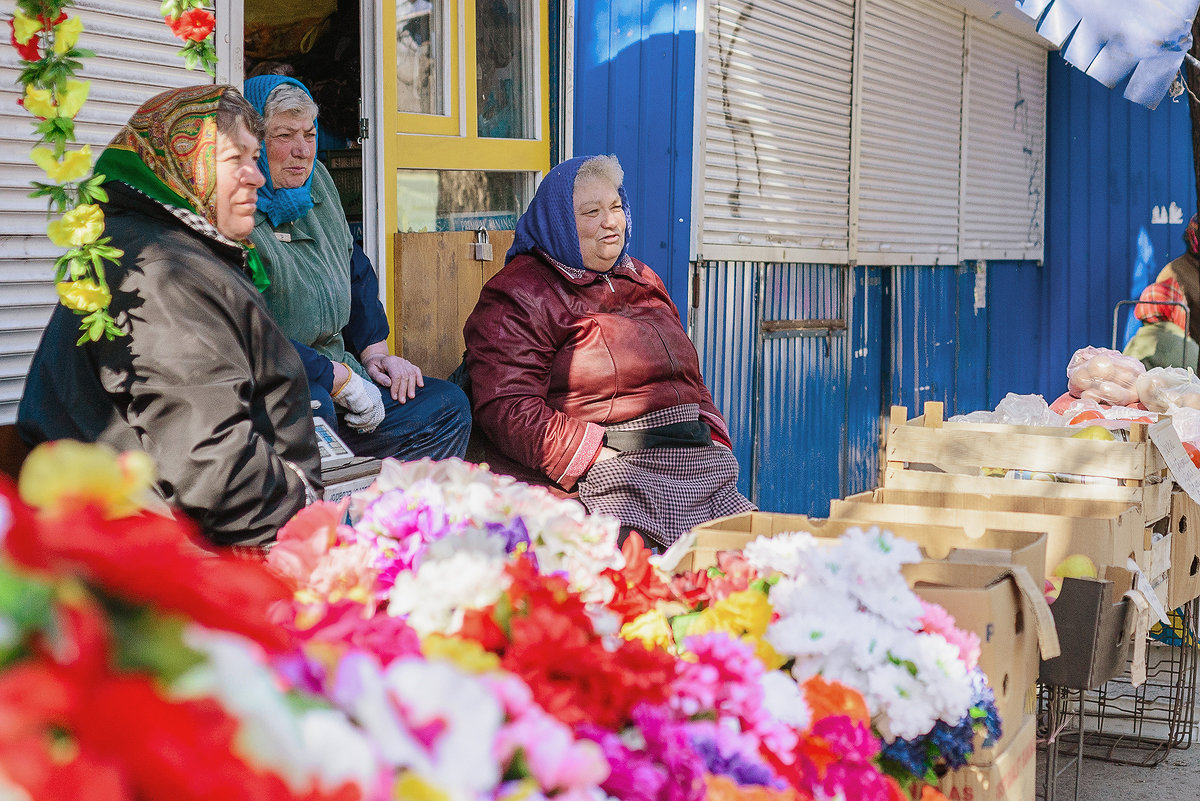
[[287, 98], [604, 168]]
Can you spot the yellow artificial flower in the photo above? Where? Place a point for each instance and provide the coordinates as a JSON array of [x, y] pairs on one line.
[[71, 99], [652, 628], [78, 227], [411, 786], [40, 103], [745, 612], [25, 28], [74, 165], [766, 653], [64, 474], [467, 655], [521, 790], [84, 295], [66, 34]]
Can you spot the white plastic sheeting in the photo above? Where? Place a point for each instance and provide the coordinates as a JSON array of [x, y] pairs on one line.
[[1109, 39]]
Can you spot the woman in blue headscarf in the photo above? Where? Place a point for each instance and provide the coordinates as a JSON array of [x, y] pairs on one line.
[[323, 292], [581, 370]]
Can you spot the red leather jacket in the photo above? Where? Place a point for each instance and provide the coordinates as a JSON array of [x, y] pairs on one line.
[[554, 353]]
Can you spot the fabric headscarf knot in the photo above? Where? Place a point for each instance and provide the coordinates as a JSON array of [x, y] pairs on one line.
[[280, 205], [548, 224]]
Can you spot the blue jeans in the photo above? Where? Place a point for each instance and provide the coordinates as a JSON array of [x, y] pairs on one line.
[[436, 423]]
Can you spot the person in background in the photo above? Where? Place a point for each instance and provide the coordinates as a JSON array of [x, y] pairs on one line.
[[323, 292], [581, 371], [1161, 341], [203, 379], [1185, 271]]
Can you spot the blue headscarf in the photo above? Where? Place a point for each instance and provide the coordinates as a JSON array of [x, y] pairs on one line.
[[280, 205], [549, 222]]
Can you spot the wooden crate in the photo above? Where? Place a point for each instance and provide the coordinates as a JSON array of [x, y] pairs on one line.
[[929, 455]]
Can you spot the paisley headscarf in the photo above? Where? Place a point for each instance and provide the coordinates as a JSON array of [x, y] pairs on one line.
[[168, 151], [548, 224], [1191, 235], [280, 205]]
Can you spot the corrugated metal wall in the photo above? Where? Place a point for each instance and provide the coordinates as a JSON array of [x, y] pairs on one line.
[[724, 327], [773, 341], [635, 66], [1110, 163]]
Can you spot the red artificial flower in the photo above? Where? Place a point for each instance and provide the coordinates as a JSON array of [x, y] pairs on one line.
[[638, 587], [151, 560], [195, 24], [542, 633], [30, 51]]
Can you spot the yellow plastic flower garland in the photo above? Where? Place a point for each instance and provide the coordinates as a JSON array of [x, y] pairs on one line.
[[47, 41]]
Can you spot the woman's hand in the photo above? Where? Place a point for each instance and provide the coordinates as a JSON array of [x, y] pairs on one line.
[[606, 453], [401, 376]]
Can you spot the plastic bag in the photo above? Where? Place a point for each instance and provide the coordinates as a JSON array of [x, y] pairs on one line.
[[1104, 375], [1186, 422], [1164, 388], [1018, 410]]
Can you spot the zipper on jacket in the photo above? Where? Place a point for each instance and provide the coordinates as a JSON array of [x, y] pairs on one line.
[[610, 286]]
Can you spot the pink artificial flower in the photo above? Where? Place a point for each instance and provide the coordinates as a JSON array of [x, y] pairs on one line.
[[306, 539], [936, 620], [355, 626]]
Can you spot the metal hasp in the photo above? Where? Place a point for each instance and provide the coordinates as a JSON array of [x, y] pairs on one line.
[[481, 248]]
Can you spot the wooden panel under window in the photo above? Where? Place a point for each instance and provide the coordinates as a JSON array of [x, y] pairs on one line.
[[437, 283]]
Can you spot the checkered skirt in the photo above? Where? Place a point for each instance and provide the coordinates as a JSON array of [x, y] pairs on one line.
[[662, 493]]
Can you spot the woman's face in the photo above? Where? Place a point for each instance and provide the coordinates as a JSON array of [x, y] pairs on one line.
[[291, 144], [600, 220], [238, 180]]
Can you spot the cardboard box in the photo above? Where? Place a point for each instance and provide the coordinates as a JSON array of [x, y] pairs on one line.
[[1002, 606], [1092, 617], [1011, 776], [1183, 582], [343, 481], [698, 550], [1108, 539]]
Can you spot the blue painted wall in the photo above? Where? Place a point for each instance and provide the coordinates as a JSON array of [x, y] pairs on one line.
[[1109, 162], [635, 65]]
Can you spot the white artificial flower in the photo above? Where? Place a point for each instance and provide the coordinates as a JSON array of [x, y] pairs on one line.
[[784, 700], [435, 596], [427, 717]]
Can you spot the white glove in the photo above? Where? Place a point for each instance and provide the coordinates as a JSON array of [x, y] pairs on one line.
[[363, 403]]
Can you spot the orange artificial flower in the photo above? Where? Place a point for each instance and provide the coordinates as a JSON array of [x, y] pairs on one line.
[[831, 698]]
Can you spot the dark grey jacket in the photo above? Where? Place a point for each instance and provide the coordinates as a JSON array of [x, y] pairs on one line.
[[204, 381]]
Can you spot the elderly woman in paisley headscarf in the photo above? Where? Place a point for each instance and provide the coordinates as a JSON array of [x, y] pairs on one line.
[[581, 370], [202, 379]]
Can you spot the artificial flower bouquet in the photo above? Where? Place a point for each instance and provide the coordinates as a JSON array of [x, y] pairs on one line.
[[814, 673], [135, 666]]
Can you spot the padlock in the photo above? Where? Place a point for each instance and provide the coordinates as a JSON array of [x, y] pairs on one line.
[[481, 248]]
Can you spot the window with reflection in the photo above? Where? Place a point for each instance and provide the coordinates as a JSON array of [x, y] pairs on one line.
[[461, 200], [506, 58], [421, 56]]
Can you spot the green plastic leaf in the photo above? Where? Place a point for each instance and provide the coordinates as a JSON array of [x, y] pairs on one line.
[[153, 643]]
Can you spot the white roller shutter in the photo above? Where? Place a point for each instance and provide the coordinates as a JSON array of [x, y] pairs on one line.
[[1003, 205], [911, 116], [772, 162], [136, 57]]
